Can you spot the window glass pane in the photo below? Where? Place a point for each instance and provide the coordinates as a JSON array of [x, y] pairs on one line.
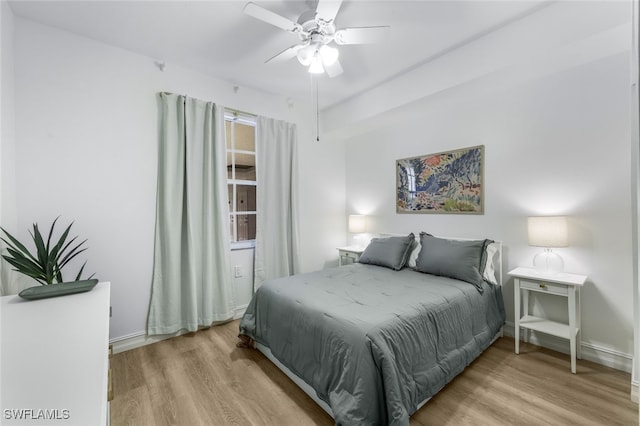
[[229, 166], [245, 160], [227, 131], [230, 199], [246, 227], [248, 173], [245, 198], [245, 166], [231, 225], [245, 137]]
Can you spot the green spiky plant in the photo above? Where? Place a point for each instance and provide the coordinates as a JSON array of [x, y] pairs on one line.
[[46, 264]]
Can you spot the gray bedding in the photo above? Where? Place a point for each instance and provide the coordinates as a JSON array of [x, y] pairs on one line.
[[371, 341]]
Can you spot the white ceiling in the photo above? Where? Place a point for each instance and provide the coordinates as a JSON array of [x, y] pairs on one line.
[[216, 38]]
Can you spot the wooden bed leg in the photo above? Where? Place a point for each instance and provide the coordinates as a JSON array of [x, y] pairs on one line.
[[246, 342]]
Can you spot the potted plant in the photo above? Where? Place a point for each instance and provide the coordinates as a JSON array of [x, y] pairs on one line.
[[46, 264]]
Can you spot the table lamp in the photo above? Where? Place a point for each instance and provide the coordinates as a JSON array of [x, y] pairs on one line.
[[548, 232], [357, 225]]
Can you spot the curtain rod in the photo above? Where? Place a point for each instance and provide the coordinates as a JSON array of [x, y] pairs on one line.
[[237, 112], [233, 110]]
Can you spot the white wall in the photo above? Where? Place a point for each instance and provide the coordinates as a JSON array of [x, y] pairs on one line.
[[555, 125], [322, 203], [10, 280], [86, 131], [635, 185]]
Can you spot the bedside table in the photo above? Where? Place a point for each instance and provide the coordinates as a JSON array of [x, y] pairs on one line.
[[350, 252], [563, 285]]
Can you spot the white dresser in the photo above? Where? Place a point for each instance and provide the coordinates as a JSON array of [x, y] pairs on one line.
[[54, 359]]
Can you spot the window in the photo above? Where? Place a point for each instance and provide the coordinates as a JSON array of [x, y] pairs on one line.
[[240, 132]]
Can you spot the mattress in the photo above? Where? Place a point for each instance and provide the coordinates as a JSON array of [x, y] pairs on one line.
[[372, 342]]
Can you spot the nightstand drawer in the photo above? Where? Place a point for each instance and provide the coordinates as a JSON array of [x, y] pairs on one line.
[[349, 255], [544, 287]]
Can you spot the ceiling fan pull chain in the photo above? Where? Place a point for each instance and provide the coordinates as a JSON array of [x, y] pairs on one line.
[[317, 113]]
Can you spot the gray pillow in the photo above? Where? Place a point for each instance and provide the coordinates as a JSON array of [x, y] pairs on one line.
[[457, 259], [391, 252]]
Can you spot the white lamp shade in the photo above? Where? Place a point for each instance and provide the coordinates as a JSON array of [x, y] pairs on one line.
[[305, 55], [316, 65], [548, 231], [357, 223], [329, 55]]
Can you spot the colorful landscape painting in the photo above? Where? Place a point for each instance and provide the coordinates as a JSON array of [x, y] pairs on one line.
[[447, 182]]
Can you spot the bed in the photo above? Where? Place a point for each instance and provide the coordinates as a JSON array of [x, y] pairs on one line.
[[371, 342]]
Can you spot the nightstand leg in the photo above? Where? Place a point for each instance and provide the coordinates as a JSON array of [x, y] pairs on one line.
[[572, 327], [525, 311], [516, 309], [579, 323]]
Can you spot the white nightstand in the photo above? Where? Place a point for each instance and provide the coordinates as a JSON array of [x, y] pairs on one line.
[[350, 254], [564, 285]]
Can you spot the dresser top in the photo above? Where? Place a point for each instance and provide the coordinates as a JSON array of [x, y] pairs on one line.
[[54, 356]]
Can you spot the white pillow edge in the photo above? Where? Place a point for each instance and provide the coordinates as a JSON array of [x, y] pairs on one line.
[[489, 273], [413, 257]]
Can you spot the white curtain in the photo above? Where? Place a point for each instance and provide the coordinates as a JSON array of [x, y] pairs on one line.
[[277, 245], [191, 284]]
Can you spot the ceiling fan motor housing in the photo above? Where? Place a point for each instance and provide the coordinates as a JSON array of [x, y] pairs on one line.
[[315, 30]]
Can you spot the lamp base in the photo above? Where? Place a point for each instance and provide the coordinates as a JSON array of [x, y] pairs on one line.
[[360, 241], [548, 262]]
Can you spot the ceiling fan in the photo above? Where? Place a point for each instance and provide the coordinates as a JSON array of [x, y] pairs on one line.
[[317, 30]]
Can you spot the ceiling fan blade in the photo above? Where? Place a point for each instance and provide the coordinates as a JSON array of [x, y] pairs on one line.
[[363, 35], [270, 17], [334, 70], [286, 54], [327, 9]]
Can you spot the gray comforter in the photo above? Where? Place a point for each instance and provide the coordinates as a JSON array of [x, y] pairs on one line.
[[371, 341]]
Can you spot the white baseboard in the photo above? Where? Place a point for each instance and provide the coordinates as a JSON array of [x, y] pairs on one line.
[[136, 340], [634, 392], [139, 339], [598, 354]]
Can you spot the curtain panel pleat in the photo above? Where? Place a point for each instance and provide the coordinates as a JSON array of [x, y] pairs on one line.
[[191, 284], [277, 250]]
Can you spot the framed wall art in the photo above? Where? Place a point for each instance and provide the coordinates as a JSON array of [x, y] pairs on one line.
[[446, 182]]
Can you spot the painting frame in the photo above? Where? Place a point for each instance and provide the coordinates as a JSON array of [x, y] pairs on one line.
[[447, 182]]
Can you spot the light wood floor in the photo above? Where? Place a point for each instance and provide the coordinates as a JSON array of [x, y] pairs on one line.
[[203, 379]]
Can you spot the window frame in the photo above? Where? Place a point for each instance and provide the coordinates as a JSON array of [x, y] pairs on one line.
[[247, 120]]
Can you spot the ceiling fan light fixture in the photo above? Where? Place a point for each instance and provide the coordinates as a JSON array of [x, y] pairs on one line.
[[329, 55], [306, 54], [316, 65]]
